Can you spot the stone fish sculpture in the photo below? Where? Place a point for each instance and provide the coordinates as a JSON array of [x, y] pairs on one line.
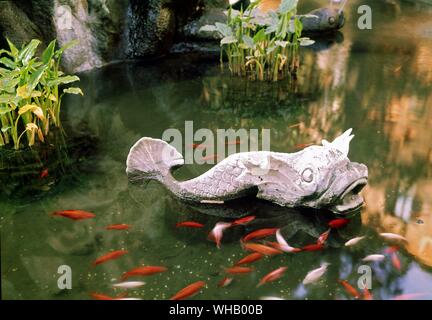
[[315, 177]]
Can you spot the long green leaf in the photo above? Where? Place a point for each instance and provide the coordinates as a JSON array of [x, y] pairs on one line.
[[73, 90], [62, 80], [8, 63], [28, 52], [48, 52], [13, 49], [36, 76]]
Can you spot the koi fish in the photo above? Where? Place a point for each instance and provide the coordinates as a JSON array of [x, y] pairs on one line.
[[260, 248], [283, 245], [74, 214], [338, 223], [225, 282], [243, 220], [189, 224], [354, 241], [409, 296], [210, 157], [235, 142], [101, 296], [349, 288], [272, 276], [393, 236], [109, 256], [143, 271], [129, 284], [374, 257], [217, 232], [316, 274], [238, 270], [303, 145], [367, 295], [197, 146], [391, 249], [118, 227], [313, 247], [295, 125], [43, 174], [260, 233], [188, 291], [395, 261], [249, 258], [323, 237]]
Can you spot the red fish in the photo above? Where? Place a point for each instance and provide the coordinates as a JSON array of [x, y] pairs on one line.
[[235, 142], [323, 237], [283, 247], [188, 291], [210, 157], [238, 270], [410, 296], [189, 224], [338, 223], [272, 276], [260, 233], [303, 145], [249, 258], [260, 248], [101, 296], [225, 282], [217, 232], [118, 227], [143, 271], [313, 247], [197, 146], [109, 256], [44, 173], [391, 249], [367, 295], [349, 289], [74, 214], [243, 220], [395, 261]]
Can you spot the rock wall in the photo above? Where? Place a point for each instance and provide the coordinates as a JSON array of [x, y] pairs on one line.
[[107, 30]]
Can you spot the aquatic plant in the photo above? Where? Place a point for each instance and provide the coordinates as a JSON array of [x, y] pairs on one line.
[[262, 46], [31, 92]]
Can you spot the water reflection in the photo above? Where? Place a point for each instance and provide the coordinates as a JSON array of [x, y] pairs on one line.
[[377, 82]]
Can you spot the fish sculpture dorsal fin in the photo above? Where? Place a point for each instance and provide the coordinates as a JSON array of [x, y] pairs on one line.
[[340, 143]]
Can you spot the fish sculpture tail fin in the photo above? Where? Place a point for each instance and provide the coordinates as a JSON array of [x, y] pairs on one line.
[[152, 159]]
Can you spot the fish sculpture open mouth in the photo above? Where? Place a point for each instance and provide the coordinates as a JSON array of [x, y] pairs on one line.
[[320, 177]]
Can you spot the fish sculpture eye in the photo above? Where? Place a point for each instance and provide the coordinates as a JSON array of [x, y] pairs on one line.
[[307, 175], [331, 20]]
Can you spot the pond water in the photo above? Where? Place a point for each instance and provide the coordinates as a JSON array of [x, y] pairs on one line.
[[377, 82]]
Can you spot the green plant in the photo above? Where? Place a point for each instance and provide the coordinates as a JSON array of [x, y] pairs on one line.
[[30, 93], [262, 46]]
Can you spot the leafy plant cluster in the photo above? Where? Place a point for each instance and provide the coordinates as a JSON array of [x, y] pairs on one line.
[[263, 46], [31, 93]]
